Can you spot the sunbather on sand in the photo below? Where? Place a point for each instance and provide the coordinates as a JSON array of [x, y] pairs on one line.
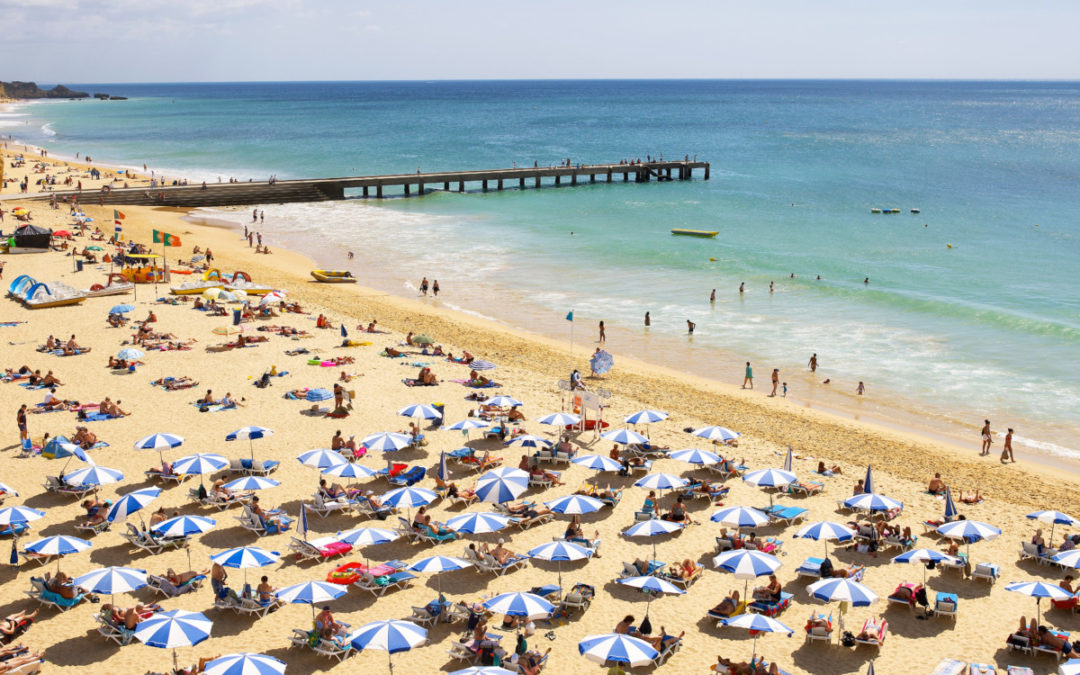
[[50, 380], [51, 402], [84, 438], [390, 351], [972, 498], [175, 383], [937, 486], [744, 668], [425, 376], [727, 606], [17, 662], [847, 572], [678, 512]]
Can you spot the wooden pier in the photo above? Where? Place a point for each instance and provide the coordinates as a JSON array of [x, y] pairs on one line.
[[407, 185]]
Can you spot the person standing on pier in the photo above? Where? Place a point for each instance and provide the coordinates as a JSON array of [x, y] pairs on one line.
[[603, 337]]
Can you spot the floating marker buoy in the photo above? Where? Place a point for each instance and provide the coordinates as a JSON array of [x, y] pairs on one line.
[[712, 259], [949, 245]]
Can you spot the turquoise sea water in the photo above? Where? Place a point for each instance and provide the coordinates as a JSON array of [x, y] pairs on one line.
[[990, 327]]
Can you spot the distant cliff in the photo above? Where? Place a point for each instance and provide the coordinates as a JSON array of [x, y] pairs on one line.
[[31, 90]]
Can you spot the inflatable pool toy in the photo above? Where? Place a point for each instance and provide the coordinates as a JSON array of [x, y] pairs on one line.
[[333, 276], [696, 233]]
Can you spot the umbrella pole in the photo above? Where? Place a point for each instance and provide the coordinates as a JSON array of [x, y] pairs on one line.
[[390, 658], [754, 655]]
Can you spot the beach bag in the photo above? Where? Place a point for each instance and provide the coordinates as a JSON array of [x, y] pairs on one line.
[[848, 640], [522, 645], [646, 626]]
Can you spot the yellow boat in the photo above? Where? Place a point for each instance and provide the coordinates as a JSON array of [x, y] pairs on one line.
[[696, 233], [333, 276]]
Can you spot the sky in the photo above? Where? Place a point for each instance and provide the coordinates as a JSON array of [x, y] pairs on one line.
[[73, 41]]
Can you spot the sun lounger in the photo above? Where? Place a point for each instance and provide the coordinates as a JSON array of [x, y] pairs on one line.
[[148, 542], [170, 590], [158, 474], [876, 633], [95, 528], [894, 541], [336, 648], [1019, 643], [27, 668], [378, 586], [1031, 551], [542, 480], [578, 599], [895, 599], [770, 608], [214, 500], [946, 604], [806, 488], [629, 570], [463, 500], [988, 571], [818, 633], [488, 563], [251, 522], [787, 515], [722, 620], [686, 583], [410, 477], [246, 604], [950, 667], [118, 633], [430, 536], [54, 484], [1042, 648], [318, 549], [667, 649], [363, 507], [810, 568], [40, 592], [982, 669], [324, 506], [258, 467]]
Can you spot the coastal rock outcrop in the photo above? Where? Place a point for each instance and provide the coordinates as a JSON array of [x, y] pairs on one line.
[[31, 90]]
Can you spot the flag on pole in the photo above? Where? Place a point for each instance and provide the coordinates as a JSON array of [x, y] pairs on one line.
[[570, 316], [166, 238], [117, 215]]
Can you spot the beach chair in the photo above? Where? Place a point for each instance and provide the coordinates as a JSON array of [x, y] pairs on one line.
[[1042, 648], [362, 506], [95, 528], [893, 541], [170, 590], [894, 599], [245, 604], [946, 604], [318, 549], [666, 651], [1019, 643], [982, 669], [807, 488], [27, 668], [250, 521], [259, 467], [117, 633], [724, 544], [721, 620], [841, 506], [460, 651], [628, 570], [811, 568], [526, 523], [422, 616], [988, 571], [950, 667], [578, 599], [336, 648], [158, 474], [410, 477], [55, 485], [686, 583], [488, 563], [770, 609], [876, 631], [323, 506], [40, 592], [378, 586], [429, 535], [865, 532], [542, 480], [463, 500], [787, 515], [818, 633], [1031, 551]]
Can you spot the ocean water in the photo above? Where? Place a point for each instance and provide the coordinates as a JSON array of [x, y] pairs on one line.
[[947, 336]]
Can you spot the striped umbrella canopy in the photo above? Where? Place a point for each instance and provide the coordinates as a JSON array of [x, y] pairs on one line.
[[131, 502], [575, 504], [646, 417], [350, 470], [1053, 518], [1069, 558], [58, 545], [924, 555], [367, 536], [389, 635], [740, 516], [130, 353], [175, 628], [560, 552], [869, 501], [159, 442], [244, 664], [746, 564], [271, 297], [652, 585], [467, 424], [439, 563], [501, 485], [482, 365], [662, 481], [11, 515], [421, 411], [624, 437], [94, 475], [1070, 667], [1039, 590], [484, 670], [692, 456], [529, 441], [968, 530], [318, 394], [826, 530], [112, 580], [560, 419], [183, 526], [322, 458], [839, 589], [652, 528], [504, 401], [386, 441], [311, 593], [617, 648], [478, 523], [721, 434], [245, 557], [200, 463], [8, 490], [527, 605], [409, 497], [122, 309], [597, 463], [247, 483], [757, 623], [770, 478], [250, 433]]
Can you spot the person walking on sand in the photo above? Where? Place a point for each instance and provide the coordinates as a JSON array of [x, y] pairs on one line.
[[20, 420], [424, 286], [748, 378], [785, 389], [1006, 450], [648, 321], [775, 380], [860, 389], [987, 439], [603, 337], [812, 364], [690, 326]]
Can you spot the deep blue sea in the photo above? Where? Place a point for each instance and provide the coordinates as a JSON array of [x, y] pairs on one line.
[[987, 328]]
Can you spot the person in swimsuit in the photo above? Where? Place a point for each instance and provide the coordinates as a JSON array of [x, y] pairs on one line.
[[987, 438], [748, 378]]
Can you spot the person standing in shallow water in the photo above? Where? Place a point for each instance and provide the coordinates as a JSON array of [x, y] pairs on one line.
[[861, 388], [812, 365], [435, 288], [748, 378], [648, 322], [690, 326], [712, 296], [775, 380], [424, 286]]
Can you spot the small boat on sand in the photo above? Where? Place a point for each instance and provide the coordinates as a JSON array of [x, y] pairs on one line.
[[334, 276], [696, 233], [117, 284], [195, 287]]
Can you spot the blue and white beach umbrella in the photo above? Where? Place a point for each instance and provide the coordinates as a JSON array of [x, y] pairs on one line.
[[692, 456], [12, 515], [839, 589], [652, 585], [826, 530], [740, 516], [529, 441], [721, 434], [94, 475], [318, 394], [349, 470], [386, 441], [770, 478], [1070, 667], [130, 354], [950, 506], [58, 545], [367, 536], [560, 419], [200, 463], [1040, 590], [484, 670], [439, 563], [662, 481], [175, 628], [389, 635], [652, 528], [504, 401], [597, 463], [924, 555], [247, 483], [159, 442], [8, 490], [482, 365], [1069, 558], [112, 580], [122, 309], [617, 648], [528, 605], [478, 523], [245, 664], [501, 485], [624, 437], [245, 557], [1053, 518], [757, 623], [646, 417], [968, 530], [183, 526], [467, 424], [131, 502], [421, 411], [601, 362], [322, 458], [311, 593], [408, 497], [575, 504], [560, 551], [747, 564], [250, 433], [872, 502]]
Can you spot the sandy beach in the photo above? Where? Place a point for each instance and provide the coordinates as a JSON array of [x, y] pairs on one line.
[[529, 368]]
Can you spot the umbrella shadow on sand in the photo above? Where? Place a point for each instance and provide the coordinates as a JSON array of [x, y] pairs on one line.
[[81, 652]]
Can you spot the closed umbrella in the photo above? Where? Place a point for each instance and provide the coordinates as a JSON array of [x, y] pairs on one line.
[[950, 507], [617, 648], [389, 635], [868, 482]]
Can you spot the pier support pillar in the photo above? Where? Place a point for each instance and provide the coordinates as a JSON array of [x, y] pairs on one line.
[[592, 177], [573, 179], [537, 182], [378, 191], [483, 185], [609, 175], [521, 183], [420, 190], [406, 186], [557, 179], [461, 186], [365, 192], [625, 176], [706, 171], [669, 173], [446, 186], [498, 186]]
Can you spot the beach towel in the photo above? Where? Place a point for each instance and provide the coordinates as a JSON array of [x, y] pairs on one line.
[[27, 385], [60, 352], [413, 382], [489, 385], [420, 364], [216, 407], [11, 323], [96, 417]]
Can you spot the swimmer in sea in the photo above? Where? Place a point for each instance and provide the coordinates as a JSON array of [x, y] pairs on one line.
[[690, 326]]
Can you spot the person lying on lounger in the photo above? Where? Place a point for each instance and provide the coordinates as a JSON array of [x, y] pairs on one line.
[[62, 585], [129, 617], [14, 625], [390, 351], [871, 629], [685, 570], [180, 578], [332, 491], [500, 552], [727, 606], [84, 438]]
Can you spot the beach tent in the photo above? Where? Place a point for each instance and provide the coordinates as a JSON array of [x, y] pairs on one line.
[[32, 237]]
